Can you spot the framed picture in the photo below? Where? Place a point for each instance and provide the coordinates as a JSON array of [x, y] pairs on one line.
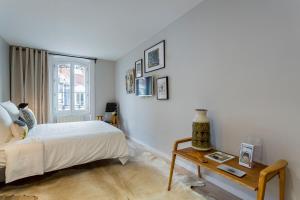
[[162, 88], [144, 86], [139, 68], [130, 81], [246, 155], [154, 57]]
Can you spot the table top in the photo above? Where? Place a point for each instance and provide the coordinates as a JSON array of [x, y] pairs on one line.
[[250, 180]]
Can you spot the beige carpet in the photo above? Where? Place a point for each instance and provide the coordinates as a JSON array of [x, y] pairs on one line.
[[144, 177]]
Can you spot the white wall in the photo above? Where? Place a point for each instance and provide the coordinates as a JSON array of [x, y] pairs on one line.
[[238, 59], [104, 84], [4, 71]]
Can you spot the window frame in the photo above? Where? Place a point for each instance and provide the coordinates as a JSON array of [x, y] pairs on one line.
[[72, 62]]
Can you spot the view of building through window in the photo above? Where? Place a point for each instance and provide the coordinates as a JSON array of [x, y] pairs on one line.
[[79, 87], [71, 88], [64, 87]]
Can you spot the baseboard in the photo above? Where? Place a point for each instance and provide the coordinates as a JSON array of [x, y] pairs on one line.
[[222, 183], [151, 149]]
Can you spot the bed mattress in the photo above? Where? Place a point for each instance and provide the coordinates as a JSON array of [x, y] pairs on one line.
[[74, 143]]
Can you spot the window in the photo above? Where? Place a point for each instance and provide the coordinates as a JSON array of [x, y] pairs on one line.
[[71, 87]]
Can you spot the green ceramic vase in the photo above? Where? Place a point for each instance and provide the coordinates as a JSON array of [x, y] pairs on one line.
[[201, 131]]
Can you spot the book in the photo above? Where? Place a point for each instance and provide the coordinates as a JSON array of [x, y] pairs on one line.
[[219, 157]]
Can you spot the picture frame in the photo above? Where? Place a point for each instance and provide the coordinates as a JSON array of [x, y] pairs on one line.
[[130, 81], [246, 155], [139, 68], [144, 86], [162, 86], [154, 57]]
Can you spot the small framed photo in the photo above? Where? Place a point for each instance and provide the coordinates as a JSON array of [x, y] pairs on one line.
[[154, 57], [130, 81], [162, 88], [139, 68], [246, 155]]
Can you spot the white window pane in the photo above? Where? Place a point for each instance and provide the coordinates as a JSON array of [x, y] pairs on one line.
[[80, 87], [64, 87], [79, 78], [79, 101]]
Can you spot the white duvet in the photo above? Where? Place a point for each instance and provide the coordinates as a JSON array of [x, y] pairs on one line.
[[64, 145]]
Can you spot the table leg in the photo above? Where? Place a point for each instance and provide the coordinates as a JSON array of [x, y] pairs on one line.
[[281, 184], [199, 172], [171, 171], [261, 190]]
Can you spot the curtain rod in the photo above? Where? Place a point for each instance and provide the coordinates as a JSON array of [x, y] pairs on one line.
[[60, 54]]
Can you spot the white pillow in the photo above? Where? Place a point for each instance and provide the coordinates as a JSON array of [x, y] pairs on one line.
[[12, 109], [5, 123]]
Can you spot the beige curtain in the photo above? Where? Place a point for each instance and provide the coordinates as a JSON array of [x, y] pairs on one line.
[[29, 80]]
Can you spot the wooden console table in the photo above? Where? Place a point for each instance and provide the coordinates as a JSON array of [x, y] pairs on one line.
[[255, 179]]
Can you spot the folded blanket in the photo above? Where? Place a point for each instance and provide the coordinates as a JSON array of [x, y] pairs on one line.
[[24, 158]]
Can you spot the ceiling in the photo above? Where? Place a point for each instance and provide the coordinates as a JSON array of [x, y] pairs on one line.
[[105, 29]]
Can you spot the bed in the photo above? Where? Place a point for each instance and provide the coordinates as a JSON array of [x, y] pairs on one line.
[[50, 147]]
